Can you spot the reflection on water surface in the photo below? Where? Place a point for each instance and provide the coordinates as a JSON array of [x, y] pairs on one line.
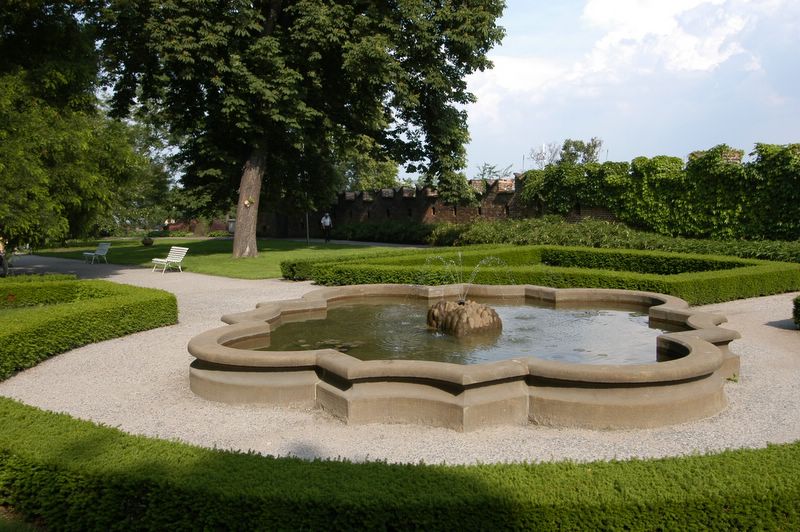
[[398, 331]]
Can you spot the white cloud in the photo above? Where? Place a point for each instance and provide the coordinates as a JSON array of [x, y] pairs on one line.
[[680, 35], [521, 76], [636, 38], [525, 74]]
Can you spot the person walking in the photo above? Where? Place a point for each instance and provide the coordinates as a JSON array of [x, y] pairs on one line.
[[327, 225]]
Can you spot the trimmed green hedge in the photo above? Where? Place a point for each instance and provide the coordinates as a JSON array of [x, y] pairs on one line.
[[699, 279], [36, 278], [796, 313], [41, 319], [638, 261], [551, 230], [303, 269], [78, 476], [50, 292], [75, 475], [395, 231]]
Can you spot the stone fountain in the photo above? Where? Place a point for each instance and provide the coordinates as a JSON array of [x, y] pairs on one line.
[[685, 383], [464, 318]]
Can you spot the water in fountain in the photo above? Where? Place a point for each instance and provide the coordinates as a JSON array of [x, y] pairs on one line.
[[466, 317], [372, 330], [455, 269]]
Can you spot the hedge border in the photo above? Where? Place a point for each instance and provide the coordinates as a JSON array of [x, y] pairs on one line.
[[751, 277], [77, 475], [57, 315], [38, 278], [796, 313], [554, 231]]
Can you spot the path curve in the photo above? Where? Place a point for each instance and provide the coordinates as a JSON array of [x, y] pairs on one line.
[[140, 384]]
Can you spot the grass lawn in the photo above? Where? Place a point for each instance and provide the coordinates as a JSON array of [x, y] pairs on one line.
[[213, 256]]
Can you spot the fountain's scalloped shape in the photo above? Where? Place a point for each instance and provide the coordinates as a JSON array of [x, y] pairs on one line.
[[689, 385]]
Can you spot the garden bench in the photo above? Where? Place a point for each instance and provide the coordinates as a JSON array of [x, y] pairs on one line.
[[100, 252], [174, 258]]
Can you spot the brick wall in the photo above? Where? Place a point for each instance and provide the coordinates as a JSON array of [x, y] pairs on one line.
[[499, 199]]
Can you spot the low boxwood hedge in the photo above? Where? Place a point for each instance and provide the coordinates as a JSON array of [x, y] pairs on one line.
[[552, 230], [37, 278], [699, 279], [796, 312], [53, 315], [75, 475], [49, 292]]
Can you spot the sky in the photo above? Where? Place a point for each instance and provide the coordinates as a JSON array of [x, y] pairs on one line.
[[648, 77]]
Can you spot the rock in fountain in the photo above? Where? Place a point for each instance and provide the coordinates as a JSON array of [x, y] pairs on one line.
[[463, 318]]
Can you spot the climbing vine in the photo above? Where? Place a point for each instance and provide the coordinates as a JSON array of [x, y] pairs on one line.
[[714, 194]]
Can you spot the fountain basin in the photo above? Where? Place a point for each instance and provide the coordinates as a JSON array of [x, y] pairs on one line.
[[688, 386]]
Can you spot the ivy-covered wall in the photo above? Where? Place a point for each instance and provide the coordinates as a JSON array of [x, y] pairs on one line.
[[714, 194]]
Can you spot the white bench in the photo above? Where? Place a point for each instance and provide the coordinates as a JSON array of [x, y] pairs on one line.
[[174, 258], [100, 252]]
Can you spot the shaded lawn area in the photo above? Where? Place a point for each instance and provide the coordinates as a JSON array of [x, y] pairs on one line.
[[213, 256]]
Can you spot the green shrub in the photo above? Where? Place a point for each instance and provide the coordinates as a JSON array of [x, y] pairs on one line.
[[164, 233], [637, 261], [38, 278], [302, 269], [697, 278], [218, 234], [796, 313], [27, 294], [446, 234], [56, 316], [602, 234], [714, 194], [78, 476], [394, 231], [70, 243], [75, 475]]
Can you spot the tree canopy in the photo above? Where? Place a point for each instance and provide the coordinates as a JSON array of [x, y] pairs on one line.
[[65, 168], [277, 90], [580, 152]]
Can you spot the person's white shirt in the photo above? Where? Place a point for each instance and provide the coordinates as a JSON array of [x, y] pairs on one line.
[[326, 221]]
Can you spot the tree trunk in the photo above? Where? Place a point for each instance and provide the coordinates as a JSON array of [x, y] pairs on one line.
[[244, 239]]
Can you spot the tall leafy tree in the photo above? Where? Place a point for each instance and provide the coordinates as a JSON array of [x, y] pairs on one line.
[[47, 72], [54, 47], [361, 168], [277, 90], [64, 166], [66, 172], [580, 152]]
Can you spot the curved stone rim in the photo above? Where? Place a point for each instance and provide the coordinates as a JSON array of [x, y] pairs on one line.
[[700, 346], [469, 397]]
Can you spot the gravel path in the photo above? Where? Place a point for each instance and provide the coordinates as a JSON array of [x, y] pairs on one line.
[[139, 384]]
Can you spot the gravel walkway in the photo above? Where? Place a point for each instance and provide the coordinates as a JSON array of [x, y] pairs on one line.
[[139, 384]]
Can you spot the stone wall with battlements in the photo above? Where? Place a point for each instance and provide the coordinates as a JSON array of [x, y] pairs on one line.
[[498, 199]]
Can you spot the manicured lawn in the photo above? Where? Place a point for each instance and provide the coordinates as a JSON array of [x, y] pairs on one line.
[[213, 256]]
